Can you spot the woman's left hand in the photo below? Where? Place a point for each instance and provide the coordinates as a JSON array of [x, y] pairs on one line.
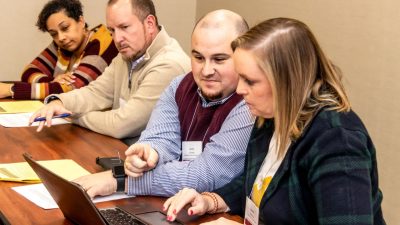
[[175, 204]]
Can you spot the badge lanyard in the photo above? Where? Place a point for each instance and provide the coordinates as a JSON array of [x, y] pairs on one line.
[[192, 149]]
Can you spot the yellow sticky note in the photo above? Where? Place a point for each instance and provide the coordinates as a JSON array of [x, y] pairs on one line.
[[20, 106], [22, 172]]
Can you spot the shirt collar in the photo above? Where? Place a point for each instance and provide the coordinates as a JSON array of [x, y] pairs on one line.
[[136, 62]]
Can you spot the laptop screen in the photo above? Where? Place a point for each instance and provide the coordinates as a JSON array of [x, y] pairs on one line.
[[73, 201], [77, 206]]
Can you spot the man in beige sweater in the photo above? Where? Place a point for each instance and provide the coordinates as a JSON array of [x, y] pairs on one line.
[[120, 101]]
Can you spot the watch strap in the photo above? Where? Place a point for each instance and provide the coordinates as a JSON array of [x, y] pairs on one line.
[[120, 184], [50, 98]]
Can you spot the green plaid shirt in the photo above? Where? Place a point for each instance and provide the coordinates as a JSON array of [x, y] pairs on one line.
[[328, 176]]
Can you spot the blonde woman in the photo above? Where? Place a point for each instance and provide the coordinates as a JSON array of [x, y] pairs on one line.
[[310, 159]]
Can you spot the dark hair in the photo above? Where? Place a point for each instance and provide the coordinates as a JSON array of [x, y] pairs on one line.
[[72, 8], [141, 8]]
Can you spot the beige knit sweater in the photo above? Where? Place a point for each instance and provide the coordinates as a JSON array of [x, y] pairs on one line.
[[97, 106]]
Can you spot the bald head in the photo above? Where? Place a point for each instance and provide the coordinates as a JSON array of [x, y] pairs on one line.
[[211, 55], [222, 19]]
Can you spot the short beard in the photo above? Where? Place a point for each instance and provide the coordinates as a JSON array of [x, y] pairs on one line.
[[212, 96], [133, 57]]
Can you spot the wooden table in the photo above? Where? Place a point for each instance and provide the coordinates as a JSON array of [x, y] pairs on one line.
[[62, 142]]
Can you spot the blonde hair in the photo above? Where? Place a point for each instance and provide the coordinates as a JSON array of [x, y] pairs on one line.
[[302, 78]]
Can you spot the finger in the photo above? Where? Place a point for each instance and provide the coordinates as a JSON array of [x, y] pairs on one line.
[[182, 198], [40, 126], [135, 149], [167, 203], [70, 80], [171, 216], [33, 117], [152, 159], [49, 117], [91, 192], [128, 169], [137, 162], [196, 210], [133, 169]]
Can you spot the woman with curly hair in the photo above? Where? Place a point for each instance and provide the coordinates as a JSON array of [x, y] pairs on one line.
[[76, 56]]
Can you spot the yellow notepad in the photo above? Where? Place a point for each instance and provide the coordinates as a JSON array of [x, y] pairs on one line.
[[22, 172], [20, 106]]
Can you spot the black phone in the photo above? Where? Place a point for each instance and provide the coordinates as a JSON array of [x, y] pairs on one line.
[[109, 162]]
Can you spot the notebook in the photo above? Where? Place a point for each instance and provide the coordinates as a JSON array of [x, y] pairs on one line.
[[76, 205]]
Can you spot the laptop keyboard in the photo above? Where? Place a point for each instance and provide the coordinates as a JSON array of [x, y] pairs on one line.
[[116, 216]]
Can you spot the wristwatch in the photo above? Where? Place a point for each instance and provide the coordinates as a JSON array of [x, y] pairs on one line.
[[50, 98], [119, 174]]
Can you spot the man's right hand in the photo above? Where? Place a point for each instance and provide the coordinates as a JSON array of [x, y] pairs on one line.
[[139, 159], [55, 107]]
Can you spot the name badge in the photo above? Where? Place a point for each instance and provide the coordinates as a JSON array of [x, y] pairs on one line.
[[191, 149], [251, 213], [122, 103]]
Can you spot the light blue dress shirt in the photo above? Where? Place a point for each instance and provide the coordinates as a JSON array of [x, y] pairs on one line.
[[222, 158]]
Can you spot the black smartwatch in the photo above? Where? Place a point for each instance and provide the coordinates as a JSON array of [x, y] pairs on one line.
[[119, 175]]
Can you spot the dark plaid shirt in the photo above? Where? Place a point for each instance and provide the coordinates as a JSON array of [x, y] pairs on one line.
[[328, 176]]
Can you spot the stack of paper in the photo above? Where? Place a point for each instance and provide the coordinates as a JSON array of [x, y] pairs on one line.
[[22, 120], [22, 172]]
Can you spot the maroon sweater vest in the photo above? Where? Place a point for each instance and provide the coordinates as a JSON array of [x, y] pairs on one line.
[[207, 121]]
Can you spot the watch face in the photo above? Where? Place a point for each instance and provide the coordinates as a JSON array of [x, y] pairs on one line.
[[118, 171]]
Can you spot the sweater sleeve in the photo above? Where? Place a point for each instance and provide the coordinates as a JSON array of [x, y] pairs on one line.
[[233, 194], [122, 122], [340, 177], [38, 76], [39, 70]]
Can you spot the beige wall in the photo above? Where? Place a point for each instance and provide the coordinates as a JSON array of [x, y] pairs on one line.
[[363, 38]]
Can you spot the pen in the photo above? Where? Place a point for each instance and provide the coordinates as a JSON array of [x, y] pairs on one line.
[[38, 119]]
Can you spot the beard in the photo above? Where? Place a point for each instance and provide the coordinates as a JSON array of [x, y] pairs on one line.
[[212, 96], [133, 57]]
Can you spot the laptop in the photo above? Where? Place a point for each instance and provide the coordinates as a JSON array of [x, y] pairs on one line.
[[77, 206]]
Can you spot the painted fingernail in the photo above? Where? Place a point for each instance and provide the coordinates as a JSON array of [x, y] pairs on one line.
[[169, 218], [190, 212]]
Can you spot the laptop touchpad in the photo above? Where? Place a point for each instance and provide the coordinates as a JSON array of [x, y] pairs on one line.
[[156, 218]]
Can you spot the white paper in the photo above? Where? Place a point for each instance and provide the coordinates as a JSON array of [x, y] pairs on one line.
[[22, 120], [39, 195]]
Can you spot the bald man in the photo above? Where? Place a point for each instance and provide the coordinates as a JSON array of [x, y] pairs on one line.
[[198, 132]]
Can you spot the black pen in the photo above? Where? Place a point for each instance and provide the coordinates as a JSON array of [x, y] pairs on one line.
[[38, 119]]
